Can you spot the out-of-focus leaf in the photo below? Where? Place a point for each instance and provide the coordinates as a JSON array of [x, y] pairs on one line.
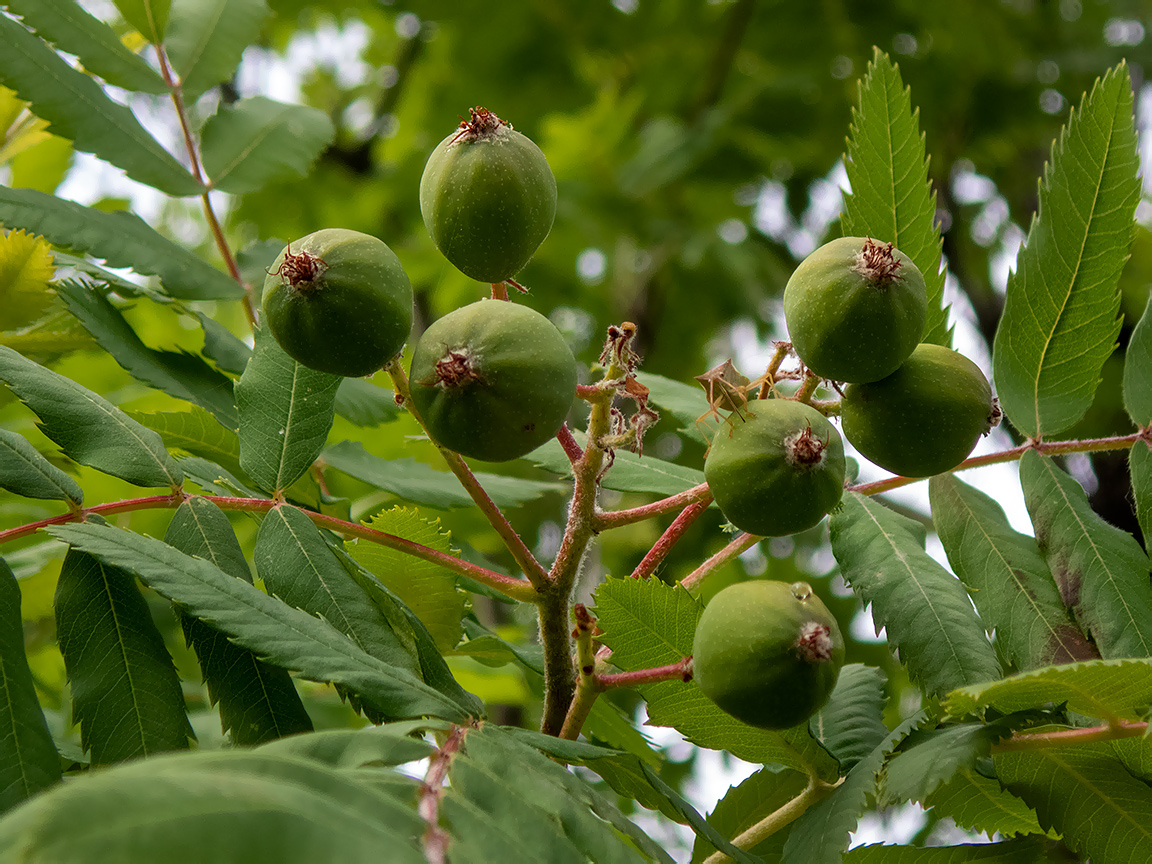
[[149, 17], [285, 413], [1008, 579], [24, 471], [746, 804], [88, 427], [1061, 309], [257, 141], [1138, 370], [929, 618], [177, 373], [126, 694], [1101, 571], [28, 759], [1097, 688], [121, 239], [1010, 852], [684, 402], [629, 472], [891, 199], [26, 269], [1140, 468], [71, 28], [78, 109], [205, 39]]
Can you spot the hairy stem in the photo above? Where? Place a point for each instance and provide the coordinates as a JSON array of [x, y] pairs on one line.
[[815, 791], [681, 670], [587, 687], [740, 544], [617, 518], [663, 546], [520, 552], [435, 839]]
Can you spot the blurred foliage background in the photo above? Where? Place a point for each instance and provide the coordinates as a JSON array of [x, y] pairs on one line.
[[696, 146]]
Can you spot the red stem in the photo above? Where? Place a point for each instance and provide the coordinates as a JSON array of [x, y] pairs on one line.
[[569, 443], [672, 533], [679, 671], [436, 840], [1038, 740], [617, 518]]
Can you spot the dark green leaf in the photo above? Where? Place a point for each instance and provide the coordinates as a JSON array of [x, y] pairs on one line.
[[891, 198], [1138, 370], [746, 804], [1101, 571], [1083, 792], [78, 109], [392, 744], [629, 472], [1060, 312], [851, 724], [1140, 468], [177, 373], [28, 760], [821, 834], [930, 758], [980, 804], [257, 141], [73, 30], [126, 694], [258, 702], [1097, 688], [362, 403], [196, 432], [205, 39], [1011, 852], [24, 471], [1006, 576], [223, 348], [276, 632], [422, 484], [285, 414], [121, 239], [928, 615], [149, 17], [88, 427], [647, 624]]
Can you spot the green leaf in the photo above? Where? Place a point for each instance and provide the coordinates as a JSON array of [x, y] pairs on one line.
[[427, 589], [24, 471], [362, 403], [684, 402], [821, 834], [392, 744], [258, 702], [78, 109], [214, 479], [419, 483], [929, 617], [1101, 571], [1006, 576], [297, 565], [1140, 469], [278, 633], [258, 141], [73, 30], [647, 624], [285, 414], [851, 723], [28, 760], [1108, 689], [121, 239], [196, 432], [1011, 852], [746, 804], [891, 198], [149, 17], [611, 726], [980, 804], [87, 427], [1138, 370], [126, 694], [1061, 310], [629, 472], [1083, 792], [930, 758], [228, 807], [177, 373], [205, 39], [26, 273]]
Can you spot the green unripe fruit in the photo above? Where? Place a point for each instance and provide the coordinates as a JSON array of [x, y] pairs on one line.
[[855, 309], [925, 417], [493, 380], [338, 301], [488, 198], [767, 653], [776, 467]]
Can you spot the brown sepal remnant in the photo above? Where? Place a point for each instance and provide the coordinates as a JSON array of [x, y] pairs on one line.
[[814, 644], [619, 354], [300, 270], [481, 123], [876, 263], [805, 449], [725, 389], [455, 369]]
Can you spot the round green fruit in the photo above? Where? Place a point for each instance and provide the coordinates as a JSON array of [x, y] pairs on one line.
[[338, 301], [855, 309], [493, 380], [488, 198], [767, 653], [925, 417], [776, 467]]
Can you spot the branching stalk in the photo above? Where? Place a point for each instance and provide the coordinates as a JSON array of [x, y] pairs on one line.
[[740, 544], [1039, 740], [673, 533]]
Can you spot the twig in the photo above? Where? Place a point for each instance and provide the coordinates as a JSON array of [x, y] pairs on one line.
[[435, 839], [663, 546], [1039, 740], [617, 518], [740, 544]]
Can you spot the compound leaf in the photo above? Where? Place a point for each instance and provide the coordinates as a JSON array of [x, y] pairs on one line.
[[205, 39]]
